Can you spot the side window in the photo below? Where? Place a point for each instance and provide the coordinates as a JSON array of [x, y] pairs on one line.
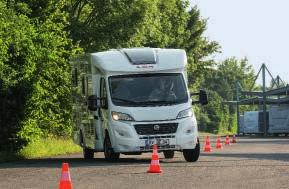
[[103, 93]]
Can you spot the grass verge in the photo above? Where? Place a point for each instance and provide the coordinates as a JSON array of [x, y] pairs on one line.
[[42, 148], [49, 147]]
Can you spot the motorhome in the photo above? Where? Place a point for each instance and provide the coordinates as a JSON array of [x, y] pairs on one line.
[[127, 100]]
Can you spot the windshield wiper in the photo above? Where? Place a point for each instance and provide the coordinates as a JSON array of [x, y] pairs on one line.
[[125, 100], [159, 102], [146, 103]]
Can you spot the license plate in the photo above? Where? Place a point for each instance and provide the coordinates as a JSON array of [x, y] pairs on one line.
[[157, 141]]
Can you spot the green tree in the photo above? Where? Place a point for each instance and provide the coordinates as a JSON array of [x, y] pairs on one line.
[[222, 80], [34, 75], [227, 73], [100, 25]]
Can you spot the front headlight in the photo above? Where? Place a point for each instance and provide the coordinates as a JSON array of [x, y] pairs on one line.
[[117, 116], [185, 113]]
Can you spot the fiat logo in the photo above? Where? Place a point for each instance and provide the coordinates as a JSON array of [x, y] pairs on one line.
[[156, 127]]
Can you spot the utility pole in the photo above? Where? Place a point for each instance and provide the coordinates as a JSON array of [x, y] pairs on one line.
[[238, 110], [264, 99]]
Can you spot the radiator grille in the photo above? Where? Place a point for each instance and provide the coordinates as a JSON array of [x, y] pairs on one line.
[[153, 129]]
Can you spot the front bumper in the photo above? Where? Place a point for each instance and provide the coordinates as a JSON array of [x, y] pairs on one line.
[[126, 138]]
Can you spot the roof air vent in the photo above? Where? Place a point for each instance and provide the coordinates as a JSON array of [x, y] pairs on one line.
[[141, 56]]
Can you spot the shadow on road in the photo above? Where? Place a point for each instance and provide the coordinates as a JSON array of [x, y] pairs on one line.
[[139, 162], [74, 162], [261, 156], [280, 141]]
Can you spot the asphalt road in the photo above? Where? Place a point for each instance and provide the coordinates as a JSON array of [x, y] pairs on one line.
[[251, 163]]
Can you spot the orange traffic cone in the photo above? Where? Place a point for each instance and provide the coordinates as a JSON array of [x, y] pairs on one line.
[[227, 140], [65, 181], [155, 162], [207, 145], [234, 139], [219, 143]]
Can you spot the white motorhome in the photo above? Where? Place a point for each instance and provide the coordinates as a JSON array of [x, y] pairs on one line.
[[126, 100]]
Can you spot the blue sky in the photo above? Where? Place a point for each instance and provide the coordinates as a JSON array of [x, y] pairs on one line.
[[257, 29]]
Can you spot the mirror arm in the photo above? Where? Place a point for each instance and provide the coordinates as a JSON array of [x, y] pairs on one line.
[[194, 94], [195, 102]]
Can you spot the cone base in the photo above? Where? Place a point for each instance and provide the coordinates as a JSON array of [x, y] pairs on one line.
[[208, 150], [65, 185], [154, 171]]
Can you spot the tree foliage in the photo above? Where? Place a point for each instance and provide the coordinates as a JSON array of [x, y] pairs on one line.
[[101, 25], [221, 82], [34, 74]]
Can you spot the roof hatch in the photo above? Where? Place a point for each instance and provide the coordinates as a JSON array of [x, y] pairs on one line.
[[141, 55]]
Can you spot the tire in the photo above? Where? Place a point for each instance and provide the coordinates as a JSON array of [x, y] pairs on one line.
[[169, 154], [81, 140], [88, 153], [192, 155], [109, 153]]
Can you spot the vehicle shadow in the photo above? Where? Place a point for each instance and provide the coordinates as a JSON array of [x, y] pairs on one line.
[[73, 162]]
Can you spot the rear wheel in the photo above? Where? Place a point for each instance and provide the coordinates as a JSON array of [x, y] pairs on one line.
[[192, 155], [169, 154], [109, 153], [88, 153]]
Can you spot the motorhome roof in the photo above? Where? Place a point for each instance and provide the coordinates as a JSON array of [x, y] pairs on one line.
[[139, 60]]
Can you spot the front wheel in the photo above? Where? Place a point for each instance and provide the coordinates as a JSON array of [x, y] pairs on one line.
[[192, 155], [109, 153], [169, 154]]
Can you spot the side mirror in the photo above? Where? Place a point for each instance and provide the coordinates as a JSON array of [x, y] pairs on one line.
[[92, 103], [203, 97]]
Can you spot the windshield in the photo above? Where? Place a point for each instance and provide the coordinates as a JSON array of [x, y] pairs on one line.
[[148, 89]]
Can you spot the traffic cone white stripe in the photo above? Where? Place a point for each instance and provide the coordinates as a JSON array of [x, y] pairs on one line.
[[65, 176], [155, 162]]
